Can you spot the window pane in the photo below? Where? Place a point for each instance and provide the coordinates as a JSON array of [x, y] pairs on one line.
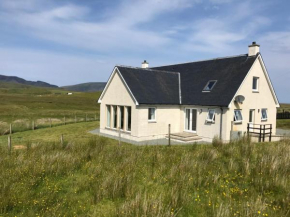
[[251, 116], [193, 124], [128, 118], [210, 114], [255, 83], [187, 119], [122, 117], [115, 116], [151, 114], [238, 115], [108, 116], [209, 85], [264, 113]]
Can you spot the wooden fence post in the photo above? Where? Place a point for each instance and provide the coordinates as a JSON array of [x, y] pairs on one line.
[[260, 134], [61, 139], [264, 133], [169, 135], [270, 137], [10, 129], [9, 144]]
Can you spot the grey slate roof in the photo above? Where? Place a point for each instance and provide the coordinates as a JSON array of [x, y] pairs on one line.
[[152, 86], [158, 86]]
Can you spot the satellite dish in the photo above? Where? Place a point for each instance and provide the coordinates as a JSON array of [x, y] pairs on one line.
[[240, 99]]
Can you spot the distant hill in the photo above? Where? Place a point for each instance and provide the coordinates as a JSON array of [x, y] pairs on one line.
[[86, 87], [14, 79]]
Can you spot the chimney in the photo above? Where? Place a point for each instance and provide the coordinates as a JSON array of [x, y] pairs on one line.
[[145, 65], [254, 49]]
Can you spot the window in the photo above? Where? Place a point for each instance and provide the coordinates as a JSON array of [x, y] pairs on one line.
[[211, 116], [209, 86], [122, 117], [264, 115], [128, 118], [255, 86], [115, 116], [108, 116], [151, 114], [238, 118]]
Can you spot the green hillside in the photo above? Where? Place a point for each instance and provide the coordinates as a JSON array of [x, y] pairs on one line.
[[17, 80], [86, 87]]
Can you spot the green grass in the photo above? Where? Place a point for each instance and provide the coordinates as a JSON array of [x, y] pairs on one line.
[[72, 132], [283, 123], [22, 104], [97, 177], [93, 176]]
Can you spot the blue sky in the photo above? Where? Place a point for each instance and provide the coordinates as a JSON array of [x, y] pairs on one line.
[[67, 42]]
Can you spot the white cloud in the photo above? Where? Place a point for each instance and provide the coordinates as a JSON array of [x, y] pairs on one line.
[[120, 31], [66, 25]]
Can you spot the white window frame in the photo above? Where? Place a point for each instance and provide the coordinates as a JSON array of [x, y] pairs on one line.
[[215, 81], [152, 120], [257, 84], [264, 119], [235, 117], [212, 120]]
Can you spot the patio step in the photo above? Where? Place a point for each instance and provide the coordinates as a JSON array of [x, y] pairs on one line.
[[184, 137]]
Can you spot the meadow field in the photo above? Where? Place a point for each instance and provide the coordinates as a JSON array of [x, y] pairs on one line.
[[23, 105], [94, 176], [88, 175], [283, 123]]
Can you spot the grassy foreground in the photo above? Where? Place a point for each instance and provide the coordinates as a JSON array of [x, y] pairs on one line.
[[100, 178]]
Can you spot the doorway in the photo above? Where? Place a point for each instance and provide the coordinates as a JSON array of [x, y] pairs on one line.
[[190, 120], [251, 119]]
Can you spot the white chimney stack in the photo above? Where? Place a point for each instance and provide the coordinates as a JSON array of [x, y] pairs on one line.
[[254, 49], [145, 65]]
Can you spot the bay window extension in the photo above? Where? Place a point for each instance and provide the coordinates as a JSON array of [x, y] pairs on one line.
[[119, 117]]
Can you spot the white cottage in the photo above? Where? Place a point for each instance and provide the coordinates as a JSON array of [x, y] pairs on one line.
[[218, 97]]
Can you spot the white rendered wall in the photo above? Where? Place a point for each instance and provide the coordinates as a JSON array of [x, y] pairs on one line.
[[254, 100]]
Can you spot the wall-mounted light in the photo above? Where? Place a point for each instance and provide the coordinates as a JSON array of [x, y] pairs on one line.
[[258, 110], [200, 111]]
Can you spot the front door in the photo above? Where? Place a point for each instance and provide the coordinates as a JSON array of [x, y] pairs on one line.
[[251, 119], [190, 120]]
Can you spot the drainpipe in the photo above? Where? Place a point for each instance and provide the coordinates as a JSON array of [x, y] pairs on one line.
[[221, 123]]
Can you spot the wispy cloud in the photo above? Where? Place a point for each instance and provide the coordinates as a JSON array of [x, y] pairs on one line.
[[125, 33]]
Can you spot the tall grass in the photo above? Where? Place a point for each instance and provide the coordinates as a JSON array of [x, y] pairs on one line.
[[100, 178]]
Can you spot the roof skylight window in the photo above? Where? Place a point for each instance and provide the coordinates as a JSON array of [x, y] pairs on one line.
[[209, 86]]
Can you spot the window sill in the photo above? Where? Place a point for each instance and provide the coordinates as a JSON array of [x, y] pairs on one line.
[[152, 121], [238, 122], [255, 91], [210, 122], [264, 120]]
